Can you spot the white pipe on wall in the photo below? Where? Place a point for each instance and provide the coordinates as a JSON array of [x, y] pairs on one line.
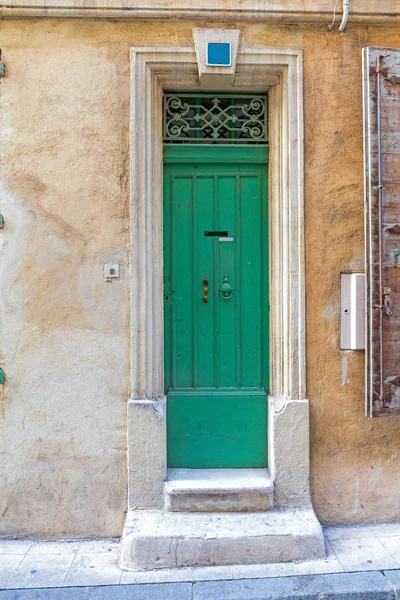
[[345, 16]]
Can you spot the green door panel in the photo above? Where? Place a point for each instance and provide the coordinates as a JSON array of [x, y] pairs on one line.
[[216, 352], [208, 430]]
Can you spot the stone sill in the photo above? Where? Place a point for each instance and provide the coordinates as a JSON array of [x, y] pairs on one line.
[[215, 481]]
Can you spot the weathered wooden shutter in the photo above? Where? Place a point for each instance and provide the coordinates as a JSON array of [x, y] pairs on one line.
[[381, 67]]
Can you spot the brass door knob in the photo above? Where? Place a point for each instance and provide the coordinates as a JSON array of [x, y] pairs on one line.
[[205, 290]]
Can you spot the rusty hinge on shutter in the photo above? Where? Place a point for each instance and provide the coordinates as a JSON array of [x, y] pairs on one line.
[[394, 229], [394, 79]]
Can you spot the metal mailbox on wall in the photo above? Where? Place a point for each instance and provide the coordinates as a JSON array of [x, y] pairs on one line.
[[381, 94], [352, 311]]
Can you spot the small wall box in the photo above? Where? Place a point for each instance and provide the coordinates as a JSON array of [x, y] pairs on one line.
[[352, 311], [219, 54]]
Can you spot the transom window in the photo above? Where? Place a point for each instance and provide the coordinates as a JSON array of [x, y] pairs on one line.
[[215, 119]]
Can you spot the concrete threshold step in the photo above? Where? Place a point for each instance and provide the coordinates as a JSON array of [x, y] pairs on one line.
[[162, 539], [209, 490]]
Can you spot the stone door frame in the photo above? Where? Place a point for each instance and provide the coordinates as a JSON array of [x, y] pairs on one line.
[[280, 72]]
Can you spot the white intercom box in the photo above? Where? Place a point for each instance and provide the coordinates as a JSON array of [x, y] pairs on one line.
[[352, 311]]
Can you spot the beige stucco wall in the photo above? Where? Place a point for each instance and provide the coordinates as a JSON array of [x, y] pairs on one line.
[[64, 121], [371, 12]]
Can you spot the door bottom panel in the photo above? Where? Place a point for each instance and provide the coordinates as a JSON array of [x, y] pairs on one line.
[[207, 430]]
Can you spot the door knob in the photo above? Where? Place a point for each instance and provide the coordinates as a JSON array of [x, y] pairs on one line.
[[205, 290]]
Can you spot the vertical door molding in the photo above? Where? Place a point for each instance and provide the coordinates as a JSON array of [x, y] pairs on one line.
[[280, 72]]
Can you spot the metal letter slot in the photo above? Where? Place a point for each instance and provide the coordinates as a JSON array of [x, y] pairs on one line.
[[216, 234]]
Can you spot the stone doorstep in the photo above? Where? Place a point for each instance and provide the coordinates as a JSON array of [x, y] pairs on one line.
[[162, 539], [218, 490]]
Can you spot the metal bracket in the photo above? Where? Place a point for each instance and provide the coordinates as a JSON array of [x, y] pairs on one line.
[[2, 67], [387, 301]]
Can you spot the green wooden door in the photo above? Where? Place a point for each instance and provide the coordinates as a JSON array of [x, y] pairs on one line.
[[216, 351]]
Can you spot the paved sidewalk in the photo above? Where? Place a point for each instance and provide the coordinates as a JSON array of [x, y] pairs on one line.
[[84, 563], [374, 585]]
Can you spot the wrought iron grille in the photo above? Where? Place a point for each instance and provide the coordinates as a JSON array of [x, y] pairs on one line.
[[212, 119]]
